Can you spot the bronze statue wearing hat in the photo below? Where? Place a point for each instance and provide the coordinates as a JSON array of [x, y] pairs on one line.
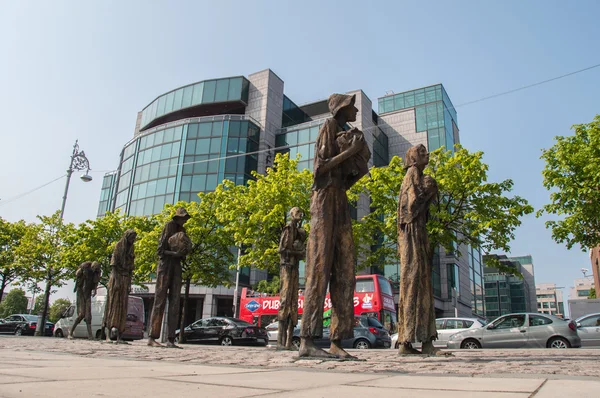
[[173, 246], [341, 159]]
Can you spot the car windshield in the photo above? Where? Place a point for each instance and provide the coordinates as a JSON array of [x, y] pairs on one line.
[[239, 322], [30, 318], [374, 323]]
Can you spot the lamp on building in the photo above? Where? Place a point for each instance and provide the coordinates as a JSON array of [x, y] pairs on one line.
[[79, 162]]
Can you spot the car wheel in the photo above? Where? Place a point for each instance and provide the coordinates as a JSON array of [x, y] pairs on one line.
[[558, 342], [19, 332], [226, 341], [397, 346], [59, 333], [362, 344], [296, 342], [99, 335], [470, 344]]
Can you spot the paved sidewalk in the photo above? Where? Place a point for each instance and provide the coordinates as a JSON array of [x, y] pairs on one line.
[[41, 374], [42, 367]]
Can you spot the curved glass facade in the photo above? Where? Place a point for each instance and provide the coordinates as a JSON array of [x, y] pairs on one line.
[[204, 92], [177, 161]]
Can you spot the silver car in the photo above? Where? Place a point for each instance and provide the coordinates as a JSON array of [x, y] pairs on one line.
[[588, 328], [446, 327], [523, 330]]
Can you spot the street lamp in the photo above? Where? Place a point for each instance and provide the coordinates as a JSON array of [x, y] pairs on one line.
[[79, 162]]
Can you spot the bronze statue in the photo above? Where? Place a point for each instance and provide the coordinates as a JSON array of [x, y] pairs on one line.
[[291, 251], [341, 158], [119, 284], [173, 246], [86, 283], [416, 314]]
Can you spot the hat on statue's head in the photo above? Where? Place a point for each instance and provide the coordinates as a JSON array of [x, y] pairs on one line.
[[181, 213], [338, 101]]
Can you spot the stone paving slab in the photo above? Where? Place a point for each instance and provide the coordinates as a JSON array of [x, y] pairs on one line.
[[557, 363], [569, 388], [527, 386], [362, 392]]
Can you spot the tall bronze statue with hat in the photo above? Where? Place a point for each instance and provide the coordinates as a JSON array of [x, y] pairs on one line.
[[173, 246], [341, 159]]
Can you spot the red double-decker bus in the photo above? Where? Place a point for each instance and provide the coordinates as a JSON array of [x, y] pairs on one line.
[[373, 297]]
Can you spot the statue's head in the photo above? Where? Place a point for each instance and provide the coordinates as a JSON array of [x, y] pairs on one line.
[[181, 216], [416, 156], [296, 214], [343, 105], [96, 266], [130, 235]]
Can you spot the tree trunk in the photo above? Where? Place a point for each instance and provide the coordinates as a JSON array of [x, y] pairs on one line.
[[2, 287], [41, 326], [182, 326]]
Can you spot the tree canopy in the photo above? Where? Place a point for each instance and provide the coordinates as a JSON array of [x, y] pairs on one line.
[[15, 302], [468, 210], [95, 240], [11, 234], [58, 308], [255, 214], [572, 175]]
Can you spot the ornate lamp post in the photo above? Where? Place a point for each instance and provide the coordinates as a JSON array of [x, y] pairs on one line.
[[79, 162]]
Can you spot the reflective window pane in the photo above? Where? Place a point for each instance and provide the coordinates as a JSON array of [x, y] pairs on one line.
[[187, 96], [208, 95], [192, 130], [169, 102], [222, 90], [204, 129], [177, 100], [235, 89], [197, 94]]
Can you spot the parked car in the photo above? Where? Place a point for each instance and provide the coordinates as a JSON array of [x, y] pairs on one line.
[[520, 331], [446, 327], [23, 324], [368, 333], [134, 327], [588, 328], [225, 331]]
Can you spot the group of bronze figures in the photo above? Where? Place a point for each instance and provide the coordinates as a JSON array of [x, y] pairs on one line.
[[341, 159], [173, 246]]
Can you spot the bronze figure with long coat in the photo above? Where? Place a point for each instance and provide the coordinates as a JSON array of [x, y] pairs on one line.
[[87, 278], [416, 313], [173, 246], [291, 251], [119, 284], [341, 159]]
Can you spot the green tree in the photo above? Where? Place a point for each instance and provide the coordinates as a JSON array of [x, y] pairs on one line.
[[15, 302], [10, 238], [38, 306], [42, 251], [95, 240], [592, 293], [210, 260], [268, 287], [255, 214], [572, 174], [468, 210], [58, 308]]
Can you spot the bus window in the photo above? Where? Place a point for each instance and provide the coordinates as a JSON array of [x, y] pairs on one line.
[[365, 285], [384, 286]]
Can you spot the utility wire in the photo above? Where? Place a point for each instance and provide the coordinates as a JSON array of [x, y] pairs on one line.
[[2, 203], [312, 142]]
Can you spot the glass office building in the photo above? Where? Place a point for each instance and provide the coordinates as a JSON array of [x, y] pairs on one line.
[[505, 293], [190, 139]]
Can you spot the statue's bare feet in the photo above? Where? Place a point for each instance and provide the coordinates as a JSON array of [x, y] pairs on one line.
[[337, 350], [429, 349], [308, 349], [153, 343], [171, 344], [407, 349]]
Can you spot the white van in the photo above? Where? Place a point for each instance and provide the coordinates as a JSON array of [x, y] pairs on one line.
[[134, 329]]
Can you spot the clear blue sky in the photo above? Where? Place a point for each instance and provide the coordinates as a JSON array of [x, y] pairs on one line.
[[82, 70]]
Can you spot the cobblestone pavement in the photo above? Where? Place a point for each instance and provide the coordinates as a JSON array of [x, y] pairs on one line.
[[526, 362]]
